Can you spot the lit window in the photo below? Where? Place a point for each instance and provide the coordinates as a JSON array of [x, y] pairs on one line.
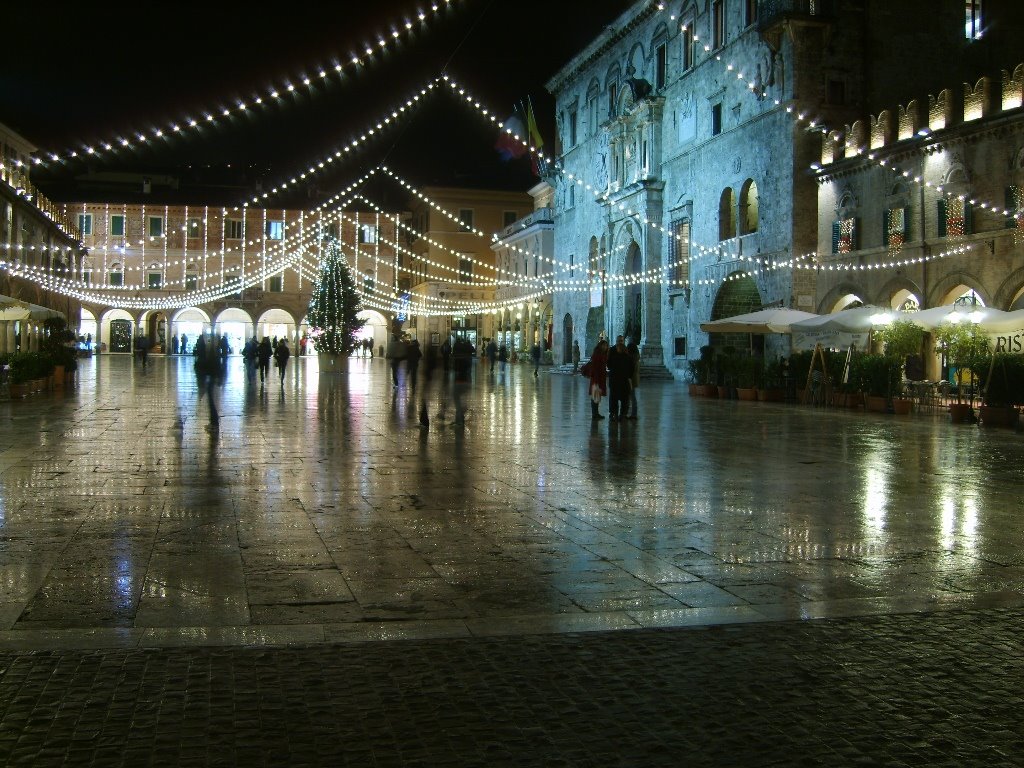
[[193, 228], [233, 229], [275, 230], [367, 233]]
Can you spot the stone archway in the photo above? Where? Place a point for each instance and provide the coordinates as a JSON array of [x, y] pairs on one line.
[[567, 339], [633, 300], [736, 297]]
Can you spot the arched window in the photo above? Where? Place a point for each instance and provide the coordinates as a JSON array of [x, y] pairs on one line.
[[191, 277], [727, 214], [749, 214], [154, 276], [116, 275]]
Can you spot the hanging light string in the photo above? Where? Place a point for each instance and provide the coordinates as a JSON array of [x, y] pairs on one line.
[[274, 95]]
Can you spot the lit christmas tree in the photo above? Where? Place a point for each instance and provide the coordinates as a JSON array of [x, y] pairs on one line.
[[334, 306]]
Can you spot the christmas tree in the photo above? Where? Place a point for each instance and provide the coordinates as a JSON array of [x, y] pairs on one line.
[[334, 306]]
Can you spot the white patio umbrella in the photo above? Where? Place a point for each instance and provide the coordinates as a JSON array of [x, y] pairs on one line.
[[856, 320], [931, 318], [21, 310], [1007, 321], [763, 321]]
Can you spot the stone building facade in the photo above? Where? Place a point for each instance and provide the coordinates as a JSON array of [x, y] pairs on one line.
[[36, 240], [688, 133], [162, 271], [450, 260]]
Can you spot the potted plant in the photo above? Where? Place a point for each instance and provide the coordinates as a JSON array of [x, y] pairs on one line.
[[966, 348], [1003, 387], [333, 312], [900, 339], [19, 373], [706, 369], [770, 387], [877, 374], [747, 369], [59, 345]]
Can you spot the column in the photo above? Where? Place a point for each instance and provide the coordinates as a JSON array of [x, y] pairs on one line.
[[3, 337]]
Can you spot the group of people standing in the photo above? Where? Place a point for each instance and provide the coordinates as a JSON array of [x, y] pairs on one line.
[[614, 371]]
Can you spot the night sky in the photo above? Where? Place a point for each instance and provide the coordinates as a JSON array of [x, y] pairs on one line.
[[77, 76]]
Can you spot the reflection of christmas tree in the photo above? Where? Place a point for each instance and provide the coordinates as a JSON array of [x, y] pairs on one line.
[[334, 306]]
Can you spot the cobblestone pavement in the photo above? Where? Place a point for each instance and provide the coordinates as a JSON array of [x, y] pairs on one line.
[[321, 580]]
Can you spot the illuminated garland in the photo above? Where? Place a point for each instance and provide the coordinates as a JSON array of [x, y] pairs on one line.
[[895, 230]]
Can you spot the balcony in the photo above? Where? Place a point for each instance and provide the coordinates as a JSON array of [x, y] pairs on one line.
[[771, 13]]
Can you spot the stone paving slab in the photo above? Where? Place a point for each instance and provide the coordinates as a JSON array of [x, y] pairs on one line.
[[936, 689]]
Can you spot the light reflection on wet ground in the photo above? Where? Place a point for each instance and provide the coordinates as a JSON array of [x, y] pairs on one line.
[[323, 511]]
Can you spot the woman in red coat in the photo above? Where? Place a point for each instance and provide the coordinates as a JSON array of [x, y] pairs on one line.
[[598, 372]]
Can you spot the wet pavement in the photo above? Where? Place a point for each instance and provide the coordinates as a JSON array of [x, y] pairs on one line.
[[322, 580]]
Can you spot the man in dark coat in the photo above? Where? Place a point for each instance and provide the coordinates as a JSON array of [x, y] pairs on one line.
[[620, 373]]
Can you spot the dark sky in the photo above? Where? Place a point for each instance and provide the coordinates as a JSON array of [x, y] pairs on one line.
[[77, 75]]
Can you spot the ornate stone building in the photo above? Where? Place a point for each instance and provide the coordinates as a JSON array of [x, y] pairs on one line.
[[690, 137]]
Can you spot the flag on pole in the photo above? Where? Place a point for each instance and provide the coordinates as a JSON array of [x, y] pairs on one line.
[[510, 142], [536, 141]]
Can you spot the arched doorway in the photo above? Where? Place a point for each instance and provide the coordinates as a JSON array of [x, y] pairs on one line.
[[116, 331], [632, 306], [567, 338], [376, 330], [189, 324], [276, 323], [737, 297], [236, 324]]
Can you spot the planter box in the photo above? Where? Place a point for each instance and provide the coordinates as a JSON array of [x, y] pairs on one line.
[[723, 393], [848, 399], [771, 395], [902, 406], [961, 413], [998, 416], [746, 393], [332, 364], [876, 404]]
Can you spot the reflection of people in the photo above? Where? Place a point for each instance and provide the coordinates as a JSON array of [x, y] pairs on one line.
[[462, 363], [633, 349]]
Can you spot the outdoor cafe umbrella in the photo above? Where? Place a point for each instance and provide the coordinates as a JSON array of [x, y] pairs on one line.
[[776, 320], [856, 320], [932, 318]]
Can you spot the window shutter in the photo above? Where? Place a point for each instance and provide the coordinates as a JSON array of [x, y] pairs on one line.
[[942, 219], [835, 237]]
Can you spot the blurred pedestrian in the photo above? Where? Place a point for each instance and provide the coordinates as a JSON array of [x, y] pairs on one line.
[[396, 354], [413, 354], [535, 356], [209, 373], [281, 355], [596, 371], [142, 348], [174, 345], [446, 355], [263, 355], [575, 356]]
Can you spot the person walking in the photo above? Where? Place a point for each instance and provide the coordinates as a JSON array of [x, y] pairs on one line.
[[395, 353], [446, 355], [225, 348], [492, 353], [575, 356], [184, 344], [620, 373], [263, 355], [208, 374], [503, 359], [596, 370], [633, 350], [535, 356], [174, 345], [413, 354], [281, 355], [250, 354], [142, 347]]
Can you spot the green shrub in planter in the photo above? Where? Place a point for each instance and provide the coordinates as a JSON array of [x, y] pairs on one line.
[[900, 339], [878, 375], [965, 346], [1005, 385]]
